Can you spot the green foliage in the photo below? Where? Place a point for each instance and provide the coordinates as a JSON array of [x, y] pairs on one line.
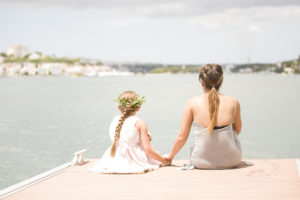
[[176, 69], [193, 69], [159, 70], [131, 102], [138, 68], [11, 59], [279, 69], [99, 63], [297, 70], [256, 67], [3, 54], [48, 59]]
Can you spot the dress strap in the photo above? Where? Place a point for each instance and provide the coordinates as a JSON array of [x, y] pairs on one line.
[[235, 102]]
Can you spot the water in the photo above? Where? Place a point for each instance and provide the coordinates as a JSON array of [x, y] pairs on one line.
[[44, 120]]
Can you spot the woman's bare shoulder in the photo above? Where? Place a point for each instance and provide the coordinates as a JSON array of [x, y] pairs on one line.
[[194, 100], [229, 99], [198, 98]]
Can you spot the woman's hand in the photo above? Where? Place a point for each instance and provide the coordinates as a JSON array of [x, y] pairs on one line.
[[185, 128], [237, 125], [149, 136]]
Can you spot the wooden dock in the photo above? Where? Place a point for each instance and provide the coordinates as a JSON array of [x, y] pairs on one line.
[[266, 179]]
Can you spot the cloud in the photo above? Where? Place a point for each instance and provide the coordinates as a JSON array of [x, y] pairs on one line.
[[206, 21], [249, 19], [254, 28], [156, 8], [162, 9], [117, 23]]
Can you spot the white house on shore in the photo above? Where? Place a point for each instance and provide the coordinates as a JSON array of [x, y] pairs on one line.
[[1, 59], [74, 70], [19, 51], [34, 56], [90, 71], [57, 69], [28, 69], [11, 69], [289, 70]]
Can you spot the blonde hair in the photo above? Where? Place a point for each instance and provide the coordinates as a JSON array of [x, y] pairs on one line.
[[127, 109], [212, 77]]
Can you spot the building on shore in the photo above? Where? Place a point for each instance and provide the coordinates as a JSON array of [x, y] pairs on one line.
[[28, 69], [11, 69], [35, 55], [1, 59], [18, 51]]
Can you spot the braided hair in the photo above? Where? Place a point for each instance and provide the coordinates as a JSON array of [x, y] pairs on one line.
[[212, 77], [128, 102]]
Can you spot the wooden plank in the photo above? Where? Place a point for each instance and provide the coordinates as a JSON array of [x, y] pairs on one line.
[[266, 179]]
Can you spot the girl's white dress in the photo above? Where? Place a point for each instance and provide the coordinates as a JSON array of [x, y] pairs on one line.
[[130, 156]]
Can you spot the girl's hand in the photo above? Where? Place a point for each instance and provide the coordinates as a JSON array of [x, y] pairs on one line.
[[168, 163], [168, 160]]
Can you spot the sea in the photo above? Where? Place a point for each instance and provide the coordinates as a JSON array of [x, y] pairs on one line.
[[44, 120]]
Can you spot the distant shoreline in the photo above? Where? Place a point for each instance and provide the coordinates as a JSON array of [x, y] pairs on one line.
[[11, 66]]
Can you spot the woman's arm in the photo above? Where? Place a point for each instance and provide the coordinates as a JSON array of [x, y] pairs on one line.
[[185, 128], [237, 125], [143, 129]]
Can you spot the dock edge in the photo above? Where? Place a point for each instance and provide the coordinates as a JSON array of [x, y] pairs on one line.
[[298, 165], [34, 180], [77, 160]]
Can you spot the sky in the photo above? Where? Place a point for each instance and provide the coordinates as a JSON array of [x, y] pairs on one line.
[[155, 31]]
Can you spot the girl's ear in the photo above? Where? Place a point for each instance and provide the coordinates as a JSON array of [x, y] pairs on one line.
[[120, 108], [138, 108]]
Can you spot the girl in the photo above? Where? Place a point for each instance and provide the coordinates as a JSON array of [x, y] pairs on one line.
[[131, 151]]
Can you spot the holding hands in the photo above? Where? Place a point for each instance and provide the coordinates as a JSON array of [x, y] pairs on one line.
[[168, 160]]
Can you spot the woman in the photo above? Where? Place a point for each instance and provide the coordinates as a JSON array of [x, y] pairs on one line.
[[217, 122]]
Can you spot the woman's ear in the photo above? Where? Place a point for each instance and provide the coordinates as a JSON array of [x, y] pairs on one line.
[[202, 83]]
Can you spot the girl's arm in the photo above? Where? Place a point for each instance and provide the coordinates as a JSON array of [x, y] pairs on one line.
[[237, 125], [142, 128], [185, 128]]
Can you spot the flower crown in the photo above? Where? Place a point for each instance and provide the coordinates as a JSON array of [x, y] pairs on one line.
[[131, 102]]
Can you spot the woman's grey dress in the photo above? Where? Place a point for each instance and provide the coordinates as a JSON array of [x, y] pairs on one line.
[[219, 150]]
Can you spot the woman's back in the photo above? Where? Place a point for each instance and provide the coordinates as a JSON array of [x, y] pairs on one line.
[[226, 112], [220, 148]]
